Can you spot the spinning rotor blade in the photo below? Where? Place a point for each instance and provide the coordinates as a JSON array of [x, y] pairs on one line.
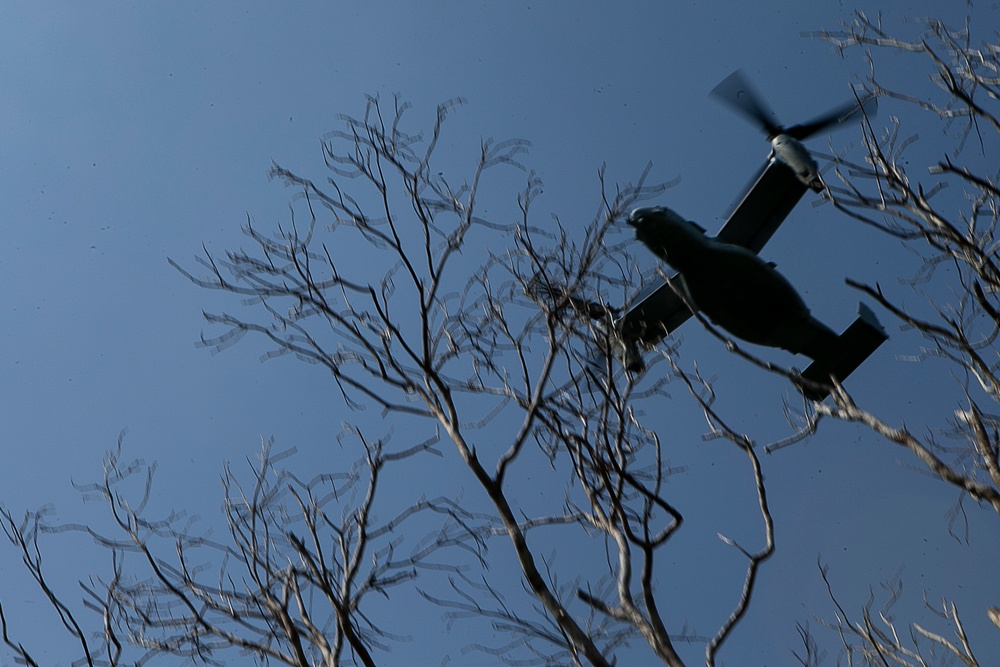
[[736, 91], [848, 113]]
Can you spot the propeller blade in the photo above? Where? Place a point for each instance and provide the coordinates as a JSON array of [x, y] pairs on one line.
[[736, 91], [847, 113]]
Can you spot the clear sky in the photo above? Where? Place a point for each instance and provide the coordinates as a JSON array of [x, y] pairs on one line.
[[135, 132]]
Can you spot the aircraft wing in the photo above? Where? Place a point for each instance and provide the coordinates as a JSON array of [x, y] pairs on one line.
[[751, 224], [652, 317], [764, 207]]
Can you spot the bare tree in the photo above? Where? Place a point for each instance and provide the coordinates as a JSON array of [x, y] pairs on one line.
[[487, 341], [95, 648], [948, 216], [959, 232], [287, 584], [876, 637], [505, 353], [503, 368]]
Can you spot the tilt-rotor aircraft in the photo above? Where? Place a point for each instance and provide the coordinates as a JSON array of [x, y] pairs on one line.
[[723, 278]]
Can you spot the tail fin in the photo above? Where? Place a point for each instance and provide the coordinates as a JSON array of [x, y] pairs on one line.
[[853, 347]]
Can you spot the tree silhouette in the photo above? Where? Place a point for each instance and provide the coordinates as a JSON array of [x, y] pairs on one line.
[[475, 349]]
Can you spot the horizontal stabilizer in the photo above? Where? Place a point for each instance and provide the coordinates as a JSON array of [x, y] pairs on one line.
[[856, 344]]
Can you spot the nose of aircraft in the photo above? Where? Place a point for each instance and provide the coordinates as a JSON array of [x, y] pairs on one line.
[[636, 217]]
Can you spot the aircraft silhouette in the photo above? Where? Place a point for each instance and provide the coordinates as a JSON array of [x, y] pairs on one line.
[[750, 299], [730, 258], [786, 176]]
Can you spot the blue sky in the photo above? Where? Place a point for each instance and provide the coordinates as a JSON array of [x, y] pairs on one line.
[[134, 133]]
